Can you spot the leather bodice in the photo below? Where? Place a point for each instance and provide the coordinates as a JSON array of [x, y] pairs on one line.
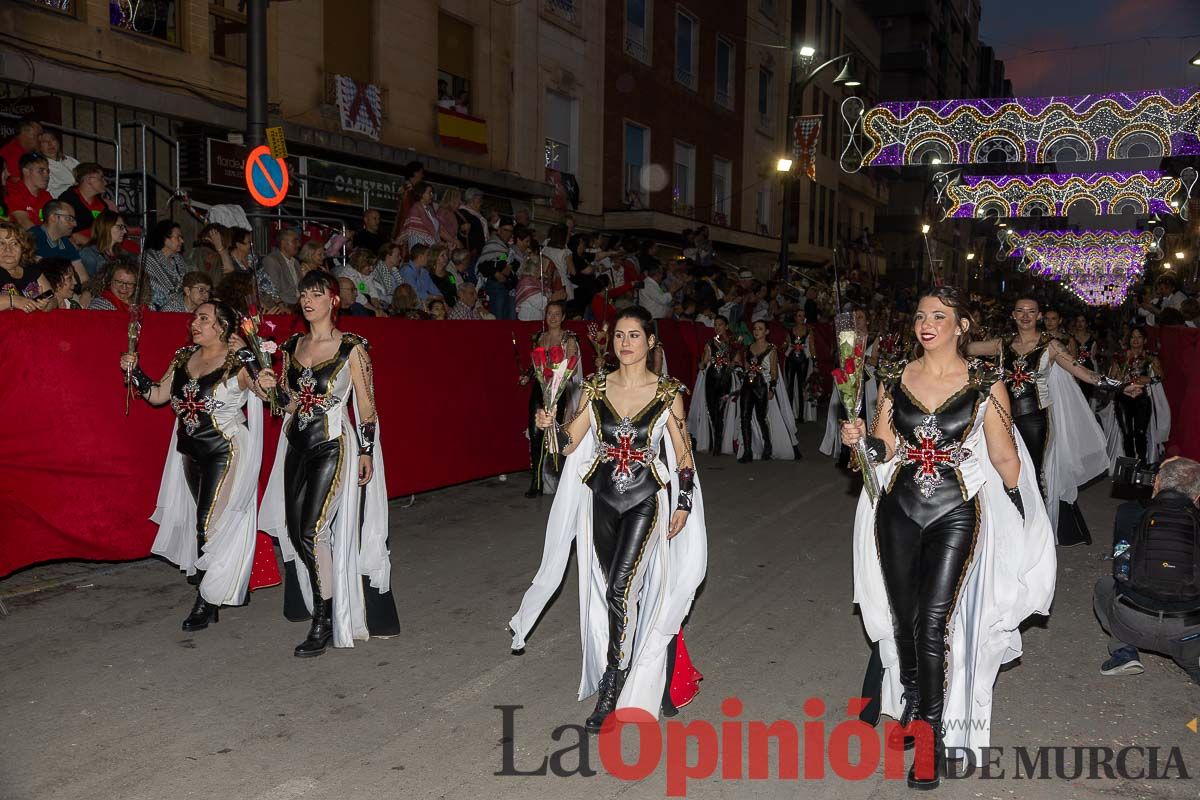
[[627, 468], [797, 347], [1142, 367], [1086, 354], [720, 356], [320, 392], [930, 444], [208, 406], [1022, 374], [758, 370]]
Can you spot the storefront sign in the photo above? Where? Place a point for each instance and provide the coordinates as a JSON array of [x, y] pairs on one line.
[[331, 182], [46, 109]]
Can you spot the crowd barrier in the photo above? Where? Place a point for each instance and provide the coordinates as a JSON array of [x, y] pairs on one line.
[[1178, 351]]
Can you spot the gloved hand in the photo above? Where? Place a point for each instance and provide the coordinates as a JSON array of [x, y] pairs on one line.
[[1014, 494]]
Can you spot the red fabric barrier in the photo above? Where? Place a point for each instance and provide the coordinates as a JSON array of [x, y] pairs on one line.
[[78, 479], [1179, 349]]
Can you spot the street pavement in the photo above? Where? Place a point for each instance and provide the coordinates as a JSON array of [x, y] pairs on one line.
[[103, 696]]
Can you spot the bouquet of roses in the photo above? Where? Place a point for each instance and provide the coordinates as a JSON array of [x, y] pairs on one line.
[[262, 349], [553, 371], [133, 333], [598, 334], [848, 379]]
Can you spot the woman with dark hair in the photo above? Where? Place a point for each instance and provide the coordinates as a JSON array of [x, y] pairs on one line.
[[714, 388], [1086, 349], [956, 552], [640, 559], [545, 468], [421, 226], [206, 504], [796, 368], [1059, 429], [237, 290], [165, 266], [328, 509], [768, 429], [1142, 417], [108, 231]]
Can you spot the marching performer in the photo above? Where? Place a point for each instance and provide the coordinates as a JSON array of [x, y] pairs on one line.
[[768, 429], [326, 507], [1140, 423], [1085, 349], [544, 474], [206, 510], [796, 368], [714, 384], [957, 551], [1059, 429], [631, 502]]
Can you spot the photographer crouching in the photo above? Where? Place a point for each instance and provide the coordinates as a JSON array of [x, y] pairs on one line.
[[1152, 601]]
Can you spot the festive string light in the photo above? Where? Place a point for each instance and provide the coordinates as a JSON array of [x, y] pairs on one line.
[[1147, 124], [1053, 195], [1098, 267]]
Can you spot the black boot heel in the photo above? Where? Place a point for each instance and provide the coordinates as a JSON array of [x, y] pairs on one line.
[[611, 683], [321, 632], [202, 614]]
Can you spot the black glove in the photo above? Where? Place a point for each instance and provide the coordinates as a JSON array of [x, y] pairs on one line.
[[1014, 494], [876, 449], [140, 381], [687, 479]]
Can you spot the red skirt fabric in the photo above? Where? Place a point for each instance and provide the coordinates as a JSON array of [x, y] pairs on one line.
[[685, 680]]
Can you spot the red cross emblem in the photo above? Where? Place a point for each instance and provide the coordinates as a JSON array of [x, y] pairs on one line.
[[929, 454], [798, 348], [1019, 377], [309, 402], [189, 407], [623, 455]]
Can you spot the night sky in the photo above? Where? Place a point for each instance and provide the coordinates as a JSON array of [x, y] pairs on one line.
[[1119, 44]]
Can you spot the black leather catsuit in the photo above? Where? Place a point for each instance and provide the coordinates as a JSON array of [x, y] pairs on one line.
[[1086, 357], [207, 453], [795, 369], [625, 479], [925, 531], [755, 394], [718, 380], [1133, 413]]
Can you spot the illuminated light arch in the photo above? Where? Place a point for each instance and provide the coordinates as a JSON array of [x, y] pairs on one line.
[[947, 148]]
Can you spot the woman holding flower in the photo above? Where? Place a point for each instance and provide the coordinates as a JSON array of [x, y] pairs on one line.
[[552, 345], [206, 504], [326, 507], [768, 427]]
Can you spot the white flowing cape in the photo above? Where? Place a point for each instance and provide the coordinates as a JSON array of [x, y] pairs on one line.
[[699, 424], [1077, 450], [781, 424], [355, 553], [674, 572], [1157, 433], [1010, 577], [228, 553]]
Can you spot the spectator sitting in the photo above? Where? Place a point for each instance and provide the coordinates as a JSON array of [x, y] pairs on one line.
[[283, 269], [358, 270], [107, 233], [472, 212], [20, 278], [211, 252], [86, 199], [349, 294], [405, 303], [445, 99], [311, 257], [386, 275], [1191, 312], [236, 291], [27, 195], [437, 308], [368, 236], [467, 297], [415, 274], [537, 284], [1170, 316], [62, 166], [652, 296], [116, 285], [29, 132], [197, 289], [439, 273], [60, 274], [52, 239], [1169, 296], [165, 266], [1153, 600], [449, 218]]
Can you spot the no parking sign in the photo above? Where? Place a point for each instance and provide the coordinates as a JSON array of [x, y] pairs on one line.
[[266, 177]]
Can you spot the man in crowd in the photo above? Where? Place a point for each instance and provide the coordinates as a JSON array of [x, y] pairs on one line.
[[27, 195], [86, 198], [368, 236], [26, 141], [652, 296], [52, 239], [416, 274], [468, 297], [472, 208], [497, 265], [282, 268], [1152, 601], [348, 293], [1169, 296]]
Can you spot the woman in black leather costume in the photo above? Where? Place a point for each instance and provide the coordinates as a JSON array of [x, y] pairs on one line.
[[717, 363], [925, 531], [1141, 367], [1085, 349], [632, 409], [760, 364], [552, 335], [320, 369], [797, 363], [212, 439]]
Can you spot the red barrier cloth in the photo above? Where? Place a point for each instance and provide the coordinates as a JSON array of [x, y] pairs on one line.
[[1179, 349], [78, 479]]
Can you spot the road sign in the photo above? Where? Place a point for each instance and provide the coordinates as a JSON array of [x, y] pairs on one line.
[[276, 142], [266, 177]]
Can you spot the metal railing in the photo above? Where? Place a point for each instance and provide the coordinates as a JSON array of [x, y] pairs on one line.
[[140, 134], [92, 137]]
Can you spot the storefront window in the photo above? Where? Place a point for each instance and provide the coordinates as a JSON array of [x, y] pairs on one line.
[[227, 31], [158, 19]]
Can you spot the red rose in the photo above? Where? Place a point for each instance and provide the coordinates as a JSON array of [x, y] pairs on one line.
[[547, 373], [850, 366], [858, 350], [571, 363], [556, 354], [252, 310], [839, 377], [539, 356]]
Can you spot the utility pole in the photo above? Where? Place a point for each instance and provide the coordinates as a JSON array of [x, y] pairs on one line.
[[256, 96]]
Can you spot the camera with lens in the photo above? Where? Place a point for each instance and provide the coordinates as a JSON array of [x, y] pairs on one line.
[[1132, 472]]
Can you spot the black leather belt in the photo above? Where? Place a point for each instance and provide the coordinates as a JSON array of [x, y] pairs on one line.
[[1188, 617]]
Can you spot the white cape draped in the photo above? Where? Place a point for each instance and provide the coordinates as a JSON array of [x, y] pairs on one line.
[[675, 570], [1010, 577], [355, 553], [229, 543], [781, 424], [699, 425], [1157, 432], [1077, 449]]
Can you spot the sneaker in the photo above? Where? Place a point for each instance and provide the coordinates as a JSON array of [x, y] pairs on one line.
[[1123, 662]]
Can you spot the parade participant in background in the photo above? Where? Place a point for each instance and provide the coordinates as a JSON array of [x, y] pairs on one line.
[[545, 473], [1052, 322], [831, 443], [714, 385], [957, 551], [768, 429], [1140, 424], [1085, 349], [639, 558], [1064, 440], [326, 508], [796, 368], [206, 510]]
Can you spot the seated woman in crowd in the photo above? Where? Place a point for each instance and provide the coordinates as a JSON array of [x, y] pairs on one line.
[[437, 308], [108, 232], [439, 273], [405, 303], [20, 278], [116, 285], [165, 266], [60, 274], [311, 257]]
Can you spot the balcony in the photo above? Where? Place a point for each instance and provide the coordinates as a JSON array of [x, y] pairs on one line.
[[685, 76], [636, 48], [724, 99]]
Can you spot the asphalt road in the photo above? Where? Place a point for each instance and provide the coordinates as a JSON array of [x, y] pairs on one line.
[[103, 696]]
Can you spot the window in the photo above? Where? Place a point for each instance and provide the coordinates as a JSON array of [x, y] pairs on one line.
[[762, 210], [722, 185], [561, 132], [687, 41], [158, 20], [68, 7], [227, 31], [637, 160], [456, 41], [683, 192], [726, 68], [565, 9], [637, 29], [765, 79], [767, 7]]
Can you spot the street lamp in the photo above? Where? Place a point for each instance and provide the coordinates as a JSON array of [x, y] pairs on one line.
[[1195, 61], [783, 165], [1180, 255], [970, 256]]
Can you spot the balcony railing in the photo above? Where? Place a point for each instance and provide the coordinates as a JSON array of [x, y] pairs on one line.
[[724, 98], [685, 76], [637, 49]]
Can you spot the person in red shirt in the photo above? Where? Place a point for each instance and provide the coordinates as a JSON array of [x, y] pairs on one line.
[[26, 196], [26, 141], [86, 198]]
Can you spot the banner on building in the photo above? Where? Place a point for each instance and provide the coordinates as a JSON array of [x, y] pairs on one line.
[[805, 135], [360, 106]]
